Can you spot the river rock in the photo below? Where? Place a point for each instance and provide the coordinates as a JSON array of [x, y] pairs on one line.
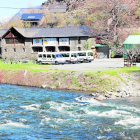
[[93, 94], [107, 95], [44, 86], [118, 95], [52, 87], [113, 97], [118, 90], [100, 98]]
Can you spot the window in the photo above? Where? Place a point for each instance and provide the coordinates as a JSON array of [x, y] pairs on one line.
[[79, 48], [14, 41], [37, 49], [90, 54], [19, 41], [48, 55], [50, 49], [79, 40], [73, 55], [65, 54], [40, 55], [53, 56], [64, 48], [14, 49], [9, 41], [58, 55], [44, 55], [82, 54], [5, 50]]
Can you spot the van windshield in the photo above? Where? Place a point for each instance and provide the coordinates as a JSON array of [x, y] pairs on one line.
[[90, 54], [58, 55], [73, 55]]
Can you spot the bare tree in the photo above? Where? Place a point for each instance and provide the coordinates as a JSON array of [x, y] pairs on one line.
[[117, 14], [131, 52]]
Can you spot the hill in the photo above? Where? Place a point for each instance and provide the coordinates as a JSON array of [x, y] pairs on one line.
[[117, 18]]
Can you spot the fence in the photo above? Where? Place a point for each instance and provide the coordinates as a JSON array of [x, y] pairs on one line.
[[128, 62]]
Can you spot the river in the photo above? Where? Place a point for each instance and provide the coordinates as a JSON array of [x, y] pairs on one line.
[[37, 114]]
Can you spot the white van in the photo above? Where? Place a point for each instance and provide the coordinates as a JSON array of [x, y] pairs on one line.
[[85, 56], [70, 56], [50, 57]]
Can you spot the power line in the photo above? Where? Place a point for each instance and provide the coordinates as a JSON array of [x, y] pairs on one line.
[[34, 8], [20, 8]]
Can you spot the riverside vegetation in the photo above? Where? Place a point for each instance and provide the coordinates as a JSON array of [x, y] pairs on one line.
[[108, 84]]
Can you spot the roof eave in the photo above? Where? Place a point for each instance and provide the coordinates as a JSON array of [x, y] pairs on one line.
[[10, 29]]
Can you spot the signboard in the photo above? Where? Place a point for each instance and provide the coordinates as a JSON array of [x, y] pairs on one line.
[[37, 42], [49, 41], [31, 16], [63, 41]]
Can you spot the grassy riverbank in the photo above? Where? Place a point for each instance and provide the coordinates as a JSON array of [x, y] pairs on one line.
[[46, 76]]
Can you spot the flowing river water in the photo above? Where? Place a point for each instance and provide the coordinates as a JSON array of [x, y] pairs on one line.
[[36, 114]]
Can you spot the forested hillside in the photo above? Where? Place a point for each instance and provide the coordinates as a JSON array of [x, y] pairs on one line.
[[115, 19]]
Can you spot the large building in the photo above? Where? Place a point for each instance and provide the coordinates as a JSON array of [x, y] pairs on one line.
[[25, 43]]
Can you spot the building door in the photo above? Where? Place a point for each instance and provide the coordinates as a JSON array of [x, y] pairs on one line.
[[102, 52]]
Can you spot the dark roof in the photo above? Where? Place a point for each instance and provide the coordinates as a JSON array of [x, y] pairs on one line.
[[70, 31], [35, 16], [57, 6], [73, 31], [2, 32]]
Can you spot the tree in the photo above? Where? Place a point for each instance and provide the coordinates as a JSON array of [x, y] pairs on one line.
[[117, 14], [88, 44], [131, 52]]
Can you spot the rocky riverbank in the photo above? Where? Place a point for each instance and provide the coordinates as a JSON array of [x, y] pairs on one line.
[[101, 85], [130, 87]]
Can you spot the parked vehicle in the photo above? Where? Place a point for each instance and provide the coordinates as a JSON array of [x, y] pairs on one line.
[[70, 56], [138, 57], [50, 57], [85, 56]]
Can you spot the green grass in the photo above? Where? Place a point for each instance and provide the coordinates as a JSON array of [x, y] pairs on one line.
[[38, 68], [114, 71], [25, 66], [100, 79], [108, 83]]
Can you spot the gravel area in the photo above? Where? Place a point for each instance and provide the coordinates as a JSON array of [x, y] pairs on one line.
[[97, 64]]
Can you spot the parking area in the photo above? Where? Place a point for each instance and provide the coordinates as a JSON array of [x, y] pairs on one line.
[[97, 64]]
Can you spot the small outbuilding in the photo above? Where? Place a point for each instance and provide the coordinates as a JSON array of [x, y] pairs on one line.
[[132, 40], [32, 18], [57, 8], [102, 51]]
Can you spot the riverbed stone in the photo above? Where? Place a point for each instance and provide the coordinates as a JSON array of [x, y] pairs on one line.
[[113, 97], [52, 87], [93, 94], [44, 86], [100, 98]]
